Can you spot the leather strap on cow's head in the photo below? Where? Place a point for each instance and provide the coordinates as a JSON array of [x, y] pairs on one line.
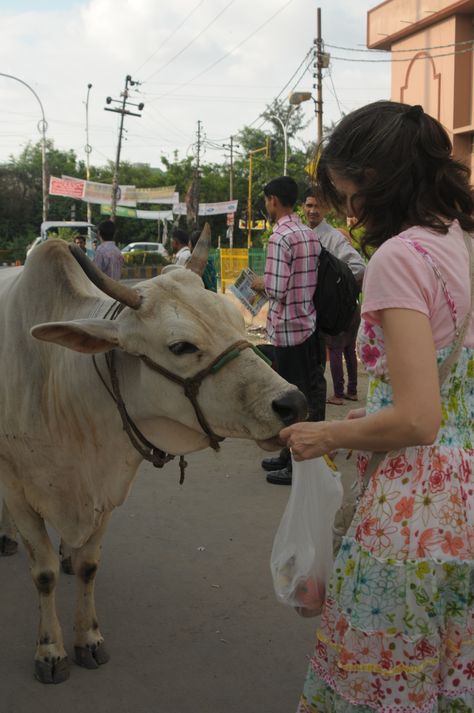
[[191, 386]]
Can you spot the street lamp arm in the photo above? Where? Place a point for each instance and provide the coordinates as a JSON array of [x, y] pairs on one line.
[[17, 79], [284, 127], [42, 130]]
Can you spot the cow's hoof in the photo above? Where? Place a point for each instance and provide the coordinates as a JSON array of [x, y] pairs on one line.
[[66, 565], [52, 672], [91, 658], [7, 546]]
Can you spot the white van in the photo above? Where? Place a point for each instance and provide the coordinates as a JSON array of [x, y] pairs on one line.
[[79, 225]]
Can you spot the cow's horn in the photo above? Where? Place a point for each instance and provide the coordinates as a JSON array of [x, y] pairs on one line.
[[198, 260], [123, 294]]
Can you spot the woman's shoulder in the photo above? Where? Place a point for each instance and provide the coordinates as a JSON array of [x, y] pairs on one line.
[[418, 242]]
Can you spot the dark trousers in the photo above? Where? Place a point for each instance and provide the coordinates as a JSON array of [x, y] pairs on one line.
[[337, 370], [302, 365]]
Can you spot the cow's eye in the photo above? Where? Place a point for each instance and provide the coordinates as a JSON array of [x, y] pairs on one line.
[[183, 348]]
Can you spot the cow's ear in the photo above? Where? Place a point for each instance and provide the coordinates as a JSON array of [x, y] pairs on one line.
[[90, 336]]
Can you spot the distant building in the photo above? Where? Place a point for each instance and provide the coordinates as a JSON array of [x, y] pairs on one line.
[[438, 68]]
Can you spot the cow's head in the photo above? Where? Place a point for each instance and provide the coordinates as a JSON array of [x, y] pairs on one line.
[[176, 323]]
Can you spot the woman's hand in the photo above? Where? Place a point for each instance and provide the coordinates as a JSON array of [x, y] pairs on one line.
[[356, 413], [308, 439]]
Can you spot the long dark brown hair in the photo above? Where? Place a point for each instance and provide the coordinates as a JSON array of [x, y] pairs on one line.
[[400, 160]]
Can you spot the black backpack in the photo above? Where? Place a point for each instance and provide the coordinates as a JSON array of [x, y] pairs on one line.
[[336, 294]]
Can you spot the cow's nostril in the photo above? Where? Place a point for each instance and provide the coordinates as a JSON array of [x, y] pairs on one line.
[[291, 407]]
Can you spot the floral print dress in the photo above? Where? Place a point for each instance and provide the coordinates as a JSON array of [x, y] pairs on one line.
[[397, 629]]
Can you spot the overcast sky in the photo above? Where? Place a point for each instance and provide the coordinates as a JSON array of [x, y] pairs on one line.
[[220, 61]]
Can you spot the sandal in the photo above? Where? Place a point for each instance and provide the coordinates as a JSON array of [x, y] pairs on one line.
[[335, 401], [351, 397]]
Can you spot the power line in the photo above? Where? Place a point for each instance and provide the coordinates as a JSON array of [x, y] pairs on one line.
[[192, 41], [335, 94], [305, 58], [407, 59], [417, 49], [172, 34], [229, 52]]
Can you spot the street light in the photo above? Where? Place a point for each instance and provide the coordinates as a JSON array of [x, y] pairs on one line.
[[296, 98], [42, 126]]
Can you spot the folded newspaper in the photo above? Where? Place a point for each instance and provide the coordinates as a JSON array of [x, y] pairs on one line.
[[243, 290]]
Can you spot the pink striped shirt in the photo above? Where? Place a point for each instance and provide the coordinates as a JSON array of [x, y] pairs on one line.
[[290, 280]]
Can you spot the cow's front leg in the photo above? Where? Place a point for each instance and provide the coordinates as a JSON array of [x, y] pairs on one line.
[[8, 534], [51, 664], [89, 647], [65, 555]]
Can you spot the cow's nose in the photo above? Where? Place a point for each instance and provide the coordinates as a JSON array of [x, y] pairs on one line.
[[291, 407]]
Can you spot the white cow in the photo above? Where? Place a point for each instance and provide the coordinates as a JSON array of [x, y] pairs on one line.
[[65, 456]]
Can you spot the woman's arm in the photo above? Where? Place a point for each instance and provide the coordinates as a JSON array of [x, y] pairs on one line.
[[414, 418]]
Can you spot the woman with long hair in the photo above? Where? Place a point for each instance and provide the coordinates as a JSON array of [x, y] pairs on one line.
[[397, 628]]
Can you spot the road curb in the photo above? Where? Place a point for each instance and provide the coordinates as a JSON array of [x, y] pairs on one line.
[[140, 272]]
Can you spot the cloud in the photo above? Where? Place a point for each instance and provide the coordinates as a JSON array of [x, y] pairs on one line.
[[167, 45]]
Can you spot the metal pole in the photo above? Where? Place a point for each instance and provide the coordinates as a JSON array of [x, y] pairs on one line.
[[115, 184], [231, 189], [231, 173], [42, 127], [249, 206], [319, 78], [285, 140], [88, 149]]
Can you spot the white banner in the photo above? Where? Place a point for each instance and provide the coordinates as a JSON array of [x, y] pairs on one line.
[[155, 214], [164, 194], [208, 208]]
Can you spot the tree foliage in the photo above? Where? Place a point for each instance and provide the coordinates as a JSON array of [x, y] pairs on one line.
[[21, 182]]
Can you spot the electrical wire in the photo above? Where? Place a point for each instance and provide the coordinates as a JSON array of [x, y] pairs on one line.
[[334, 93], [406, 59], [233, 49], [305, 58], [192, 41], [417, 49], [172, 34]]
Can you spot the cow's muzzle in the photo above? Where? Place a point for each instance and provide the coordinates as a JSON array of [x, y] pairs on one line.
[[291, 407]]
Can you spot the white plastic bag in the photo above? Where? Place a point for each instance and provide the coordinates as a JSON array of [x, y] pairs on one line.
[[302, 554]]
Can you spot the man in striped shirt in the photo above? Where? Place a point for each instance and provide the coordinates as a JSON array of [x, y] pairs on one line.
[[289, 281]]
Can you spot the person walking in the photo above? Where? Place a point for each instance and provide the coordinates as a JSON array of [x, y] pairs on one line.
[[290, 281], [397, 627], [180, 246], [342, 346], [108, 257]]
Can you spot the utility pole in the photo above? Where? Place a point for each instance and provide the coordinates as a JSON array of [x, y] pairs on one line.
[[231, 172], [122, 111], [265, 148], [88, 149], [320, 62], [194, 191]]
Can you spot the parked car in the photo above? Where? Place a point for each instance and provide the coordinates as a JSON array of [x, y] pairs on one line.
[[146, 248]]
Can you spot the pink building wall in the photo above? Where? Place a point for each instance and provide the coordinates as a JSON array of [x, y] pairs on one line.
[[440, 78]]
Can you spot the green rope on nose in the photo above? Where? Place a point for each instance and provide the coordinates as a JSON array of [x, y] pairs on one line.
[[225, 360], [262, 355]]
